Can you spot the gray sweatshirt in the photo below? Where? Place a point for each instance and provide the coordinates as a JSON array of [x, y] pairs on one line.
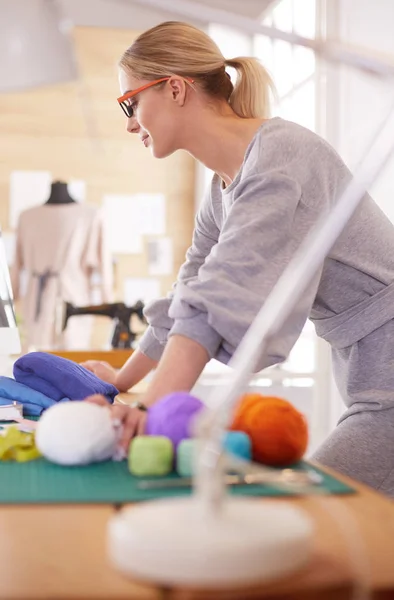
[[243, 239]]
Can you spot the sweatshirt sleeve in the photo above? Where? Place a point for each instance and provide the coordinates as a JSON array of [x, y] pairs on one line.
[[205, 236], [263, 228]]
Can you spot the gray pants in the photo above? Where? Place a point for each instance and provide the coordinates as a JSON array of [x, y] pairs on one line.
[[362, 447]]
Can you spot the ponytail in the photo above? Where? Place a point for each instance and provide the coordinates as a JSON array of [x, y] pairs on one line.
[[250, 97]]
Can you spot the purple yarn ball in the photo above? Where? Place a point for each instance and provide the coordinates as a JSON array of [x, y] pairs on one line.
[[173, 415]]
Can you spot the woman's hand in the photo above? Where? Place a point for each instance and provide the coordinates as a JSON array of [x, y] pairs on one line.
[[102, 369], [131, 419]]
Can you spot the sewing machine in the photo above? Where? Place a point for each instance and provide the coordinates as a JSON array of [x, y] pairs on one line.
[[122, 336]]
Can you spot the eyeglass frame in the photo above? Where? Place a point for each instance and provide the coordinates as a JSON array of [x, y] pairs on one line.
[[128, 110]]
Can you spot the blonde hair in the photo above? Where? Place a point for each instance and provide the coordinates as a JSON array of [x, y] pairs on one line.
[[175, 48]]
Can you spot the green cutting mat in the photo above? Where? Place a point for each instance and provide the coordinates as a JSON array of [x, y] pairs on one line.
[[41, 482]]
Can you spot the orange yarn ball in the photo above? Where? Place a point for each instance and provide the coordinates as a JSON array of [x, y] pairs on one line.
[[278, 431]]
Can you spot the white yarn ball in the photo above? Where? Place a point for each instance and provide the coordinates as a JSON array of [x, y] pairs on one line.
[[77, 433]]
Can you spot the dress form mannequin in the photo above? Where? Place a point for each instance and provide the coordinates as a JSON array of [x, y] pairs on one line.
[[60, 243], [59, 194]]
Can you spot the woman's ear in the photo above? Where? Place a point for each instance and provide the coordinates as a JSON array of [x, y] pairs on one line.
[[177, 87]]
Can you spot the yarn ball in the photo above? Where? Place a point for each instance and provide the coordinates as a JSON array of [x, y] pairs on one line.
[[173, 415], [185, 456], [150, 455], [239, 444], [278, 431], [77, 433], [236, 443]]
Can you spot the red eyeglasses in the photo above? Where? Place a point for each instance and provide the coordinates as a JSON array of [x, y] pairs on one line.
[[124, 100]]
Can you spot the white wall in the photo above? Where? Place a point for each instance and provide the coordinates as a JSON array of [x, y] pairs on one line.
[[126, 14]]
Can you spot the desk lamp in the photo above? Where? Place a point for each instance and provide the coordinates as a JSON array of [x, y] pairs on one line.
[[35, 47]]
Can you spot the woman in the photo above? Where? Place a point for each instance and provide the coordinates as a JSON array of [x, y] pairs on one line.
[[273, 180]]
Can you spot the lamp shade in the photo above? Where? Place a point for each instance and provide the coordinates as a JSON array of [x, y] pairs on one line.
[[35, 47]]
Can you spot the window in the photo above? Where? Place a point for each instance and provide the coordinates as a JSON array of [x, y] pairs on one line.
[[293, 68]]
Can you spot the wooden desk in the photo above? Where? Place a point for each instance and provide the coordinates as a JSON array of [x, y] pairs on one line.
[[58, 552], [115, 357]]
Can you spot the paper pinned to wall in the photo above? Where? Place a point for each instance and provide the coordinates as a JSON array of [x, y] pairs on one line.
[[160, 256], [131, 216], [27, 189], [123, 238], [139, 288], [77, 189], [149, 213]]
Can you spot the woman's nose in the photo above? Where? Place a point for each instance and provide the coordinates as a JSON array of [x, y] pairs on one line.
[[132, 125]]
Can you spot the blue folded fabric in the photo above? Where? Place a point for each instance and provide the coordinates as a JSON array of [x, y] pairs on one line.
[[34, 403], [60, 378]]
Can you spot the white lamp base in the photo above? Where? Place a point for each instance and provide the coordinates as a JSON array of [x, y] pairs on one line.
[[172, 542]]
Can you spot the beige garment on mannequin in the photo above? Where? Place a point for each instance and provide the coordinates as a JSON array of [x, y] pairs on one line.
[[59, 246]]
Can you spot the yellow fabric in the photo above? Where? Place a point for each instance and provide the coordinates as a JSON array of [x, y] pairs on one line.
[[18, 445]]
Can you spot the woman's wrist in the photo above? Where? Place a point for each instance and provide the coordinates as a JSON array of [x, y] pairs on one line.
[[179, 368], [120, 385], [133, 371]]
